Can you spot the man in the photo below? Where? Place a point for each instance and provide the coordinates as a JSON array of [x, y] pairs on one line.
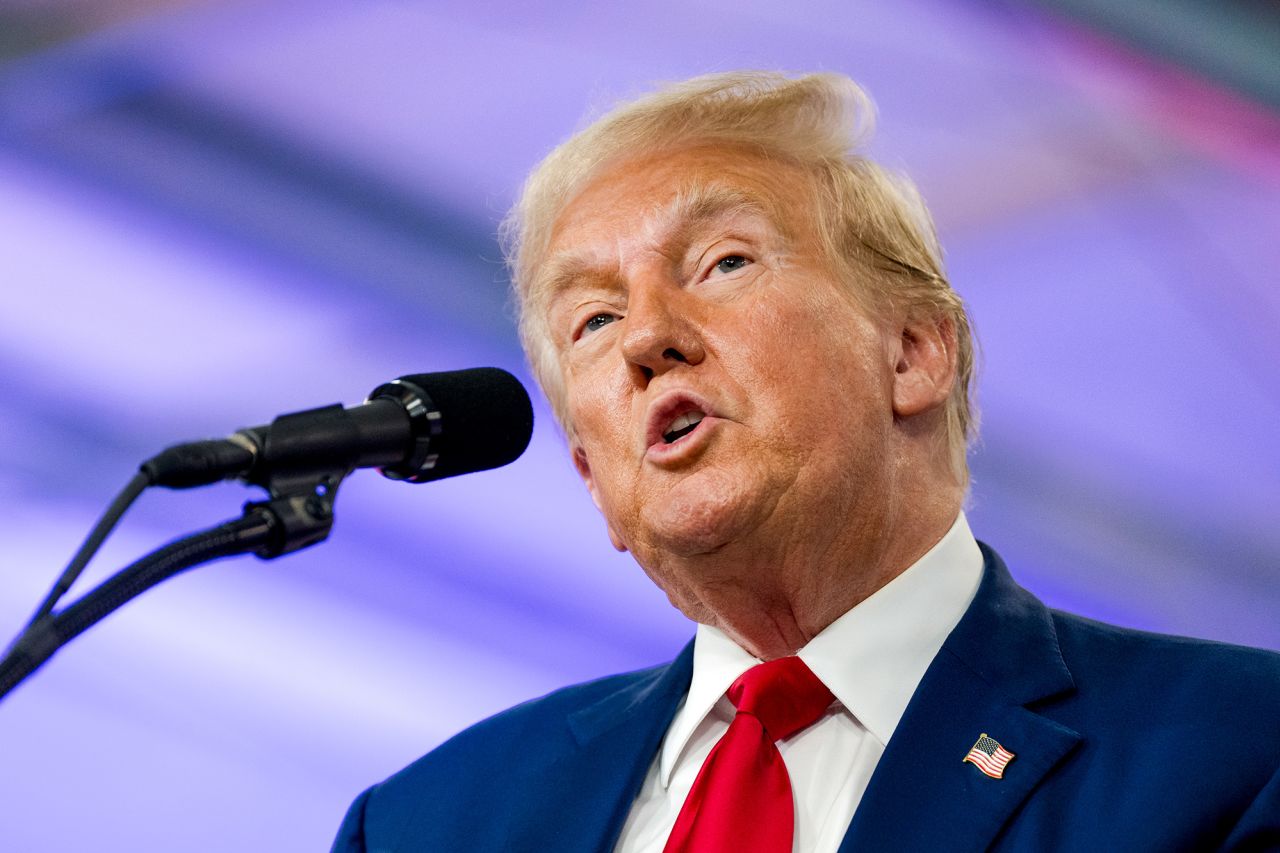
[[763, 374]]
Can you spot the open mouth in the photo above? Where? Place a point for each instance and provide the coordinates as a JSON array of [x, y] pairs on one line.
[[682, 426], [675, 423]]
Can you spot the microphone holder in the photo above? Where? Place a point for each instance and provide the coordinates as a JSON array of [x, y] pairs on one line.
[[298, 513]]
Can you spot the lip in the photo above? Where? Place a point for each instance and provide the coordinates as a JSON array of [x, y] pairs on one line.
[[662, 412]]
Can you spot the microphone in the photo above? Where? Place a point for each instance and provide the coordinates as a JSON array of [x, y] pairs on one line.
[[418, 428]]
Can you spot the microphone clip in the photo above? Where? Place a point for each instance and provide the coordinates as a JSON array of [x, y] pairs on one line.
[[298, 514], [310, 453]]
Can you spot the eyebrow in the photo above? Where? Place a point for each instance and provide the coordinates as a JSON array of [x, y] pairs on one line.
[[675, 224]]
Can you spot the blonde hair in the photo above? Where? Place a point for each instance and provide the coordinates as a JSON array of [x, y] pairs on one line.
[[873, 225]]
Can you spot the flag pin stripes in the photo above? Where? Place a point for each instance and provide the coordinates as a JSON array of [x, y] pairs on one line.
[[989, 756]]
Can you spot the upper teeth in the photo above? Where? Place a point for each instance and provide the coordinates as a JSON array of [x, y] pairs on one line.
[[685, 421]]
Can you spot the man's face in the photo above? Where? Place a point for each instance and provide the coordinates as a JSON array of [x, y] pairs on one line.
[[727, 397]]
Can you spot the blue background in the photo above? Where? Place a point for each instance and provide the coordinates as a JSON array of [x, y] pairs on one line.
[[214, 213]]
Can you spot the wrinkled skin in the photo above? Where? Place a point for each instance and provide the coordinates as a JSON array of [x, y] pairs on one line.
[[817, 478]]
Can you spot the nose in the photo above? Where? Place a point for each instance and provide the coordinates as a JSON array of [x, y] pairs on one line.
[[662, 330]]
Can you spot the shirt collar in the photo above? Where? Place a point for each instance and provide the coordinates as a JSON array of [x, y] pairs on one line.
[[871, 658]]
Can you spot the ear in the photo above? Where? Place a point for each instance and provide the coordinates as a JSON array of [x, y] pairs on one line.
[[925, 367], [584, 471]]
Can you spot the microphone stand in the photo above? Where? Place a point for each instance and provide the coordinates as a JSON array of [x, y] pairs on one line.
[[299, 513]]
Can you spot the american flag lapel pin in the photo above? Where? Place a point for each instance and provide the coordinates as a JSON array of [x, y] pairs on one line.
[[989, 756]]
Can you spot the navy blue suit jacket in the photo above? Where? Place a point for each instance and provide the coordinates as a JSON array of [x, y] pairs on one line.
[[1122, 741]]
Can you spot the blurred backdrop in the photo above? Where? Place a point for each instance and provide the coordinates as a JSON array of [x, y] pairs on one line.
[[213, 213]]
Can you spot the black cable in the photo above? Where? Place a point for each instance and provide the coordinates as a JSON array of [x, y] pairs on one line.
[[50, 632], [91, 544]]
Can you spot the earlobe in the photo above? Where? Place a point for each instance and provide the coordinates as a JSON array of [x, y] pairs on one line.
[[584, 471], [925, 367], [583, 468]]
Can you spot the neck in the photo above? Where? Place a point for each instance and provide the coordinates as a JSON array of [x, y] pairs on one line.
[[773, 601]]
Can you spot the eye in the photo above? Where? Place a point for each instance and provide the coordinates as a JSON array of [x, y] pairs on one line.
[[731, 263], [597, 322]]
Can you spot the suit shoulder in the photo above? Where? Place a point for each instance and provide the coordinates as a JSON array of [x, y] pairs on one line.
[[1171, 674], [534, 717], [1072, 627], [502, 740]]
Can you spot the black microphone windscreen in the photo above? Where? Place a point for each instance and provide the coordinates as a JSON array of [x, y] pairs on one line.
[[486, 419]]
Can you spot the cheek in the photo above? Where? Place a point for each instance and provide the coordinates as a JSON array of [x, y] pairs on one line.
[[825, 361], [793, 340], [599, 408]]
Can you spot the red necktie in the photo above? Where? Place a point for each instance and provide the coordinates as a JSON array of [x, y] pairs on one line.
[[741, 801]]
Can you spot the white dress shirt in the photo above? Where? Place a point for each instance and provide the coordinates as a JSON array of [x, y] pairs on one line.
[[872, 658]]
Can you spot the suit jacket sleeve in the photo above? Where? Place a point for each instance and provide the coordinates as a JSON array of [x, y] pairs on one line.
[[351, 834]]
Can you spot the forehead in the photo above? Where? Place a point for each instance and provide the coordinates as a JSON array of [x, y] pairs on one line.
[[686, 183], [659, 200]]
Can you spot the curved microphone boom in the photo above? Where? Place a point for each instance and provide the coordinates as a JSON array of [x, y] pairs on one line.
[[419, 428]]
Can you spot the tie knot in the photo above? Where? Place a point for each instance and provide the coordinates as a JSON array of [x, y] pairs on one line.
[[783, 694]]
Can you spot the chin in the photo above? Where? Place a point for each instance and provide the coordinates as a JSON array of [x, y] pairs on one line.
[[703, 514], [685, 542]]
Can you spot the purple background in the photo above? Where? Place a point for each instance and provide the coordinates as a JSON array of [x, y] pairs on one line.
[[212, 214]]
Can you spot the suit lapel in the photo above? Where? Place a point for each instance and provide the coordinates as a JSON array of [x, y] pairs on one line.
[[591, 785], [1002, 656]]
